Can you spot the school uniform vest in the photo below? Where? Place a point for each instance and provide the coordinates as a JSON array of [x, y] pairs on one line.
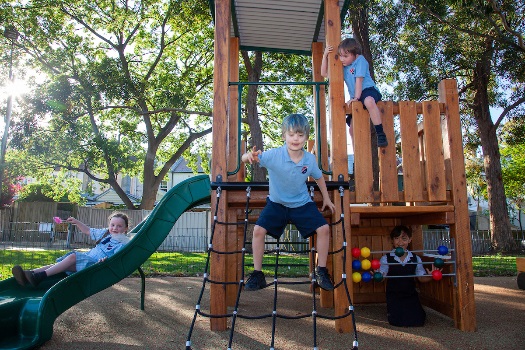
[[401, 286], [402, 300]]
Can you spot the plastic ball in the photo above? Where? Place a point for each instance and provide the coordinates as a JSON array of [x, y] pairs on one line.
[[356, 265], [437, 275], [378, 276], [366, 264], [400, 251], [365, 252], [367, 276], [439, 263], [356, 277], [356, 252], [442, 250], [375, 264]]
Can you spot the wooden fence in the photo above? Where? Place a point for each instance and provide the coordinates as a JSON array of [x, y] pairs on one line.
[[35, 227]]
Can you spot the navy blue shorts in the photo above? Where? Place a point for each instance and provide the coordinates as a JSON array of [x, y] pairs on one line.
[[372, 92], [274, 218]]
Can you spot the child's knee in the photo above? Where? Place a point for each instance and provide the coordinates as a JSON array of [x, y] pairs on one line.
[[370, 102], [323, 231], [259, 232]]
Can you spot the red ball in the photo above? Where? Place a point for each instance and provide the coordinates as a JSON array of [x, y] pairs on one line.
[[375, 264], [356, 252], [437, 275]]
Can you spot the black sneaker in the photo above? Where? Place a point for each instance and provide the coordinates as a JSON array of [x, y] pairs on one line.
[[381, 139], [19, 275], [323, 279], [255, 281]]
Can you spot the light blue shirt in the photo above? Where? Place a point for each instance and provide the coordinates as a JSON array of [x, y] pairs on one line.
[[288, 179], [358, 69], [108, 246]]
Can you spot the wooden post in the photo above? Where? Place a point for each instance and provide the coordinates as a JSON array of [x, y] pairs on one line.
[[338, 156], [326, 298], [465, 309], [232, 160], [220, 139]]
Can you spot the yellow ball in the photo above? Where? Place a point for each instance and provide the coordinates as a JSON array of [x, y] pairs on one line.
[[366, 264], [365, 252], [356, 277]]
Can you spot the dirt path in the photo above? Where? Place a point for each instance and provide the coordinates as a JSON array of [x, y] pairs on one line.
[[112, 319]]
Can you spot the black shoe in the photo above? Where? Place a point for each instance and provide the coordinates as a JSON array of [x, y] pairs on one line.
[[19, 275], [255, 281], [34, 278], [381, 139], [323, 279]]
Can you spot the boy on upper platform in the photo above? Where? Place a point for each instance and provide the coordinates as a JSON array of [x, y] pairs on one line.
[[360, 85]]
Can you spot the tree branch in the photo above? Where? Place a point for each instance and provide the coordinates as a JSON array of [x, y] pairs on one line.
[[507, 111]]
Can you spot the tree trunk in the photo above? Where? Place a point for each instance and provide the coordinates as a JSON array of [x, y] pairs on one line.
[[150, 184], [252, 115], [499, 217], [361, 34]]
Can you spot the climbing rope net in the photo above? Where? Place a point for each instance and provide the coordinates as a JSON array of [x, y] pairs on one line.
[[276, 313]]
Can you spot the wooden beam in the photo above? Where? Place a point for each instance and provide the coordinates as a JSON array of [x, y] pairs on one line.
[[412, 177], [338, 155], [220, 141], [465, 308], [434, 162]]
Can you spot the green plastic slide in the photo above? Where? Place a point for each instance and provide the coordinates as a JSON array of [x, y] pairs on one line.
[[27, 314]]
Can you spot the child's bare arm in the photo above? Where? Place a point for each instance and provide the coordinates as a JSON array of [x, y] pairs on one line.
[[252, 156], [81, 226], [326, 198], [358, 88], [324, 62]]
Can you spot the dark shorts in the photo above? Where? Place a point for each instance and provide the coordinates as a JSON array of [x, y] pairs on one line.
[[274, 218], [372, 92]]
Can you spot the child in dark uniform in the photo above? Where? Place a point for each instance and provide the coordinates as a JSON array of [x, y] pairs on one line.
[[402, 300]]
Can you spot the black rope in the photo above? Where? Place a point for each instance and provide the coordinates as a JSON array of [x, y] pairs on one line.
[[276, 282]]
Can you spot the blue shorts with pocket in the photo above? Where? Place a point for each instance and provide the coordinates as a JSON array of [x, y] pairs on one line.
[[372, 92], [274, 218]]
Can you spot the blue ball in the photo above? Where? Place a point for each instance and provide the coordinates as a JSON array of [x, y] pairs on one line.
[[366, 276], [356, 265], [442, 250]]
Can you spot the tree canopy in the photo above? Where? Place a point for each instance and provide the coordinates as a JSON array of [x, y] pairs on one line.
[[126, 89]]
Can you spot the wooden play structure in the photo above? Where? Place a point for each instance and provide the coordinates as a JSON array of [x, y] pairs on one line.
[[430, 189]]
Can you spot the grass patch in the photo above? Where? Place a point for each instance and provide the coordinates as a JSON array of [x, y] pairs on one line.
[[494, 265], [159, 264], [194, 264]]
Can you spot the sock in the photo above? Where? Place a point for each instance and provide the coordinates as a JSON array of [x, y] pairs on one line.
[[322, 268], [379, 129]]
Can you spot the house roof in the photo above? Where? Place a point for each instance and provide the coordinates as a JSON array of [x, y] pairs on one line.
[[181, 166], [110, 196], [279, 25]]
